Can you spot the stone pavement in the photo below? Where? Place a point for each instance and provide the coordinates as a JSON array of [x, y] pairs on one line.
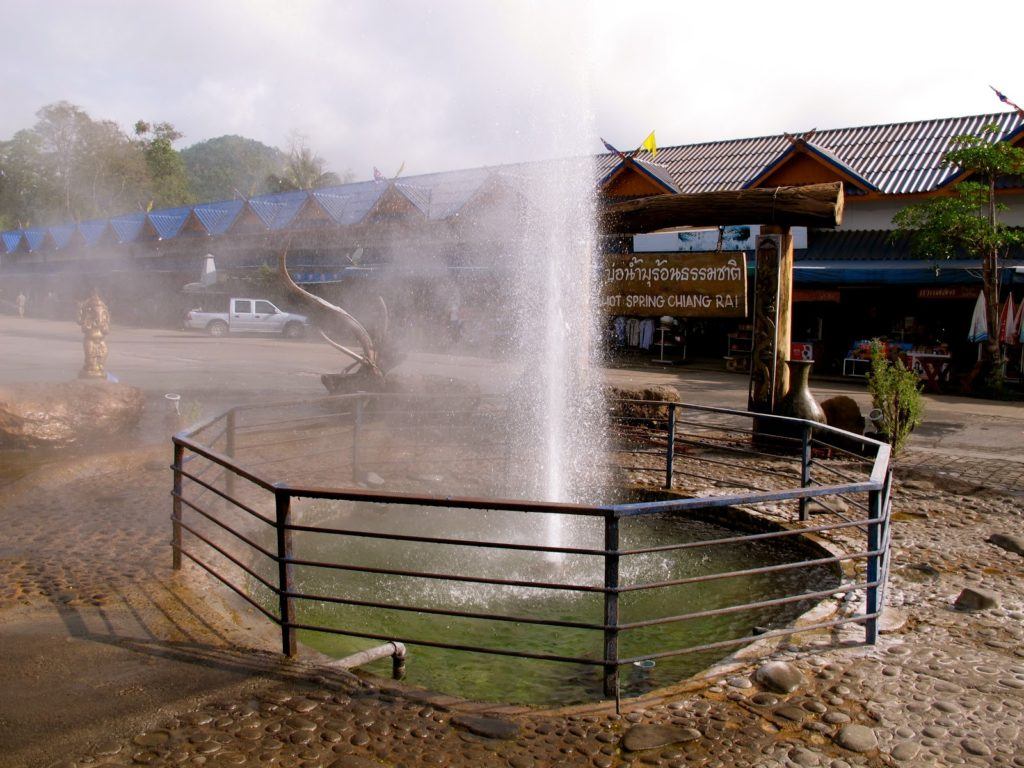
[[109, 659]]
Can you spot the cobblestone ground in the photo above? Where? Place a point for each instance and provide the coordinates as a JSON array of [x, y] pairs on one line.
[[941, 688]]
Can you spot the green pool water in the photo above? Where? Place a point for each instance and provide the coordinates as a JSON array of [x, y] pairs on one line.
[[528, 681]]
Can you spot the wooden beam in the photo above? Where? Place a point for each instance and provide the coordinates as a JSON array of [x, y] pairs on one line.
[[814, 205]]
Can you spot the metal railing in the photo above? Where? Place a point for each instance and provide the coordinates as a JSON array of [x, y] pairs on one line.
[[241, 470]]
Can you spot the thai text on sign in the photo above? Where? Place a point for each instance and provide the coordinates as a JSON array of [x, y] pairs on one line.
[[711, 284]]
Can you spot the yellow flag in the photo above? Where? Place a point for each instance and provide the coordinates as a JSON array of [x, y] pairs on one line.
[[149, 207], [650, 145]]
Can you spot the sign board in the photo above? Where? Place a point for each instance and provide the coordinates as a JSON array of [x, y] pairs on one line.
[[710, 284], [950, 292], [816, 294]]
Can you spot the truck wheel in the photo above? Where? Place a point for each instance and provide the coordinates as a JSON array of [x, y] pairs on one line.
[[294, 331], [217, 328]]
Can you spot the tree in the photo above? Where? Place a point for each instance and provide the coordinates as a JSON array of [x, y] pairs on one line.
[[304, 169], [230, 167], [167, 177], [968, 222]]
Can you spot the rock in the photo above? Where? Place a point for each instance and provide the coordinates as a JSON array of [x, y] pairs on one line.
[[833, 505], [790, 712], [57, 415], [975, 747], [641, 737], [842, 412], [779, 676], [1009, 542], [892, 620], [976, 599], [905, 750], [857, 738], [488, 727], [373, 480]]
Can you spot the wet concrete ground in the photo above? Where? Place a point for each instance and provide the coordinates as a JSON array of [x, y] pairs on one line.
[[109, 659]]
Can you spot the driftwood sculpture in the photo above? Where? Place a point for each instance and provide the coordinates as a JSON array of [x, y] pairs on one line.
[[369, 368]]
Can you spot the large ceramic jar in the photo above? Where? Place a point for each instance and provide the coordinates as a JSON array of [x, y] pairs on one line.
[[799, 403]]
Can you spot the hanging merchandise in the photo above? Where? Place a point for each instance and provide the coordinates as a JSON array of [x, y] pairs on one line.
[[1009, 321]]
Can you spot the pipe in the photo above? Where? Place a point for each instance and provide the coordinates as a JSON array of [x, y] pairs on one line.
[[395, 650]]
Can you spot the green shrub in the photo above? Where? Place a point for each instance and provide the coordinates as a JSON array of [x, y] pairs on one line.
[[896, 392]]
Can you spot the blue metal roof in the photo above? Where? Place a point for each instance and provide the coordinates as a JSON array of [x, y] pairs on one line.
[[127, 228], [35, 238], [168, 221], [62, 234], [92, 231], [219, 216], [12, 239], [277, 211], [349, 204], [443, 195]]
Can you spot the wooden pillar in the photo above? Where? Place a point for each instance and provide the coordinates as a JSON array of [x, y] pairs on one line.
[[773, 311]]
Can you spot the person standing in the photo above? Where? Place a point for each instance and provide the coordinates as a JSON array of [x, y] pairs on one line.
[[20, 303]]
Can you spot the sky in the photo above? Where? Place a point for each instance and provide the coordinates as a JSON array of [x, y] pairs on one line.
[[443, 84]]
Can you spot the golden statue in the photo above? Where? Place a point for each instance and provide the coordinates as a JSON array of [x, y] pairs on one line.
[[94, 318]]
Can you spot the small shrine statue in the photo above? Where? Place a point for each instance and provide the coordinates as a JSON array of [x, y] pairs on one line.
[[94, 318]]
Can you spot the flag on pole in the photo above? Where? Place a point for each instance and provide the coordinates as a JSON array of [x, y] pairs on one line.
[[979, 325], [149, 207], [1002, 98], [610, 148], [650, 145], [377, 175], [400, 169]]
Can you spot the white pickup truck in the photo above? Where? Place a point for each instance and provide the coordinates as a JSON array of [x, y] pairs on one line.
[[249, 316]]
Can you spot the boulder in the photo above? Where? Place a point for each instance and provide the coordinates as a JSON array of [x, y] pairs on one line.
[[1008, 541], [779, 676], [39, 415], [976, 599], [842, 412]]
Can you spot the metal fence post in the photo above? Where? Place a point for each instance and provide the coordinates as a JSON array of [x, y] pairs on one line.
[[805, 467], [229, 449], [611, 607], [874, 515], [179, 456], [357, 423], [670, 451], [283, 504]]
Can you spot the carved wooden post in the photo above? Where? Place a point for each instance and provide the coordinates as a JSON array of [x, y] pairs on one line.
[[773, 304]]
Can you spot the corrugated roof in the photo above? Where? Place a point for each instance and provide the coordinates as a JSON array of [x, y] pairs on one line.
[[12, 239], [127, 228], [217, 217], [349, 203], [168, 221], [277, 211], [35, 238], [866, 245], [62, 234], [93, 230], [897, 158], [442, 195]]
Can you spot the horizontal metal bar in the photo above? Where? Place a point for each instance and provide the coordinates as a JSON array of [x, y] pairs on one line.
[[225, 526], [747, 572], [856, 619], [247, 429], [228, 584], [654, 507], [860, 457], [744, 607], [440, 540], [224, 496], [295, 457], [229, 556], [833, 470], [318, 435], [455, 502], [451, 646], [446, 612], [446, 576], [224, 461], [740, 539], [743, 452]]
